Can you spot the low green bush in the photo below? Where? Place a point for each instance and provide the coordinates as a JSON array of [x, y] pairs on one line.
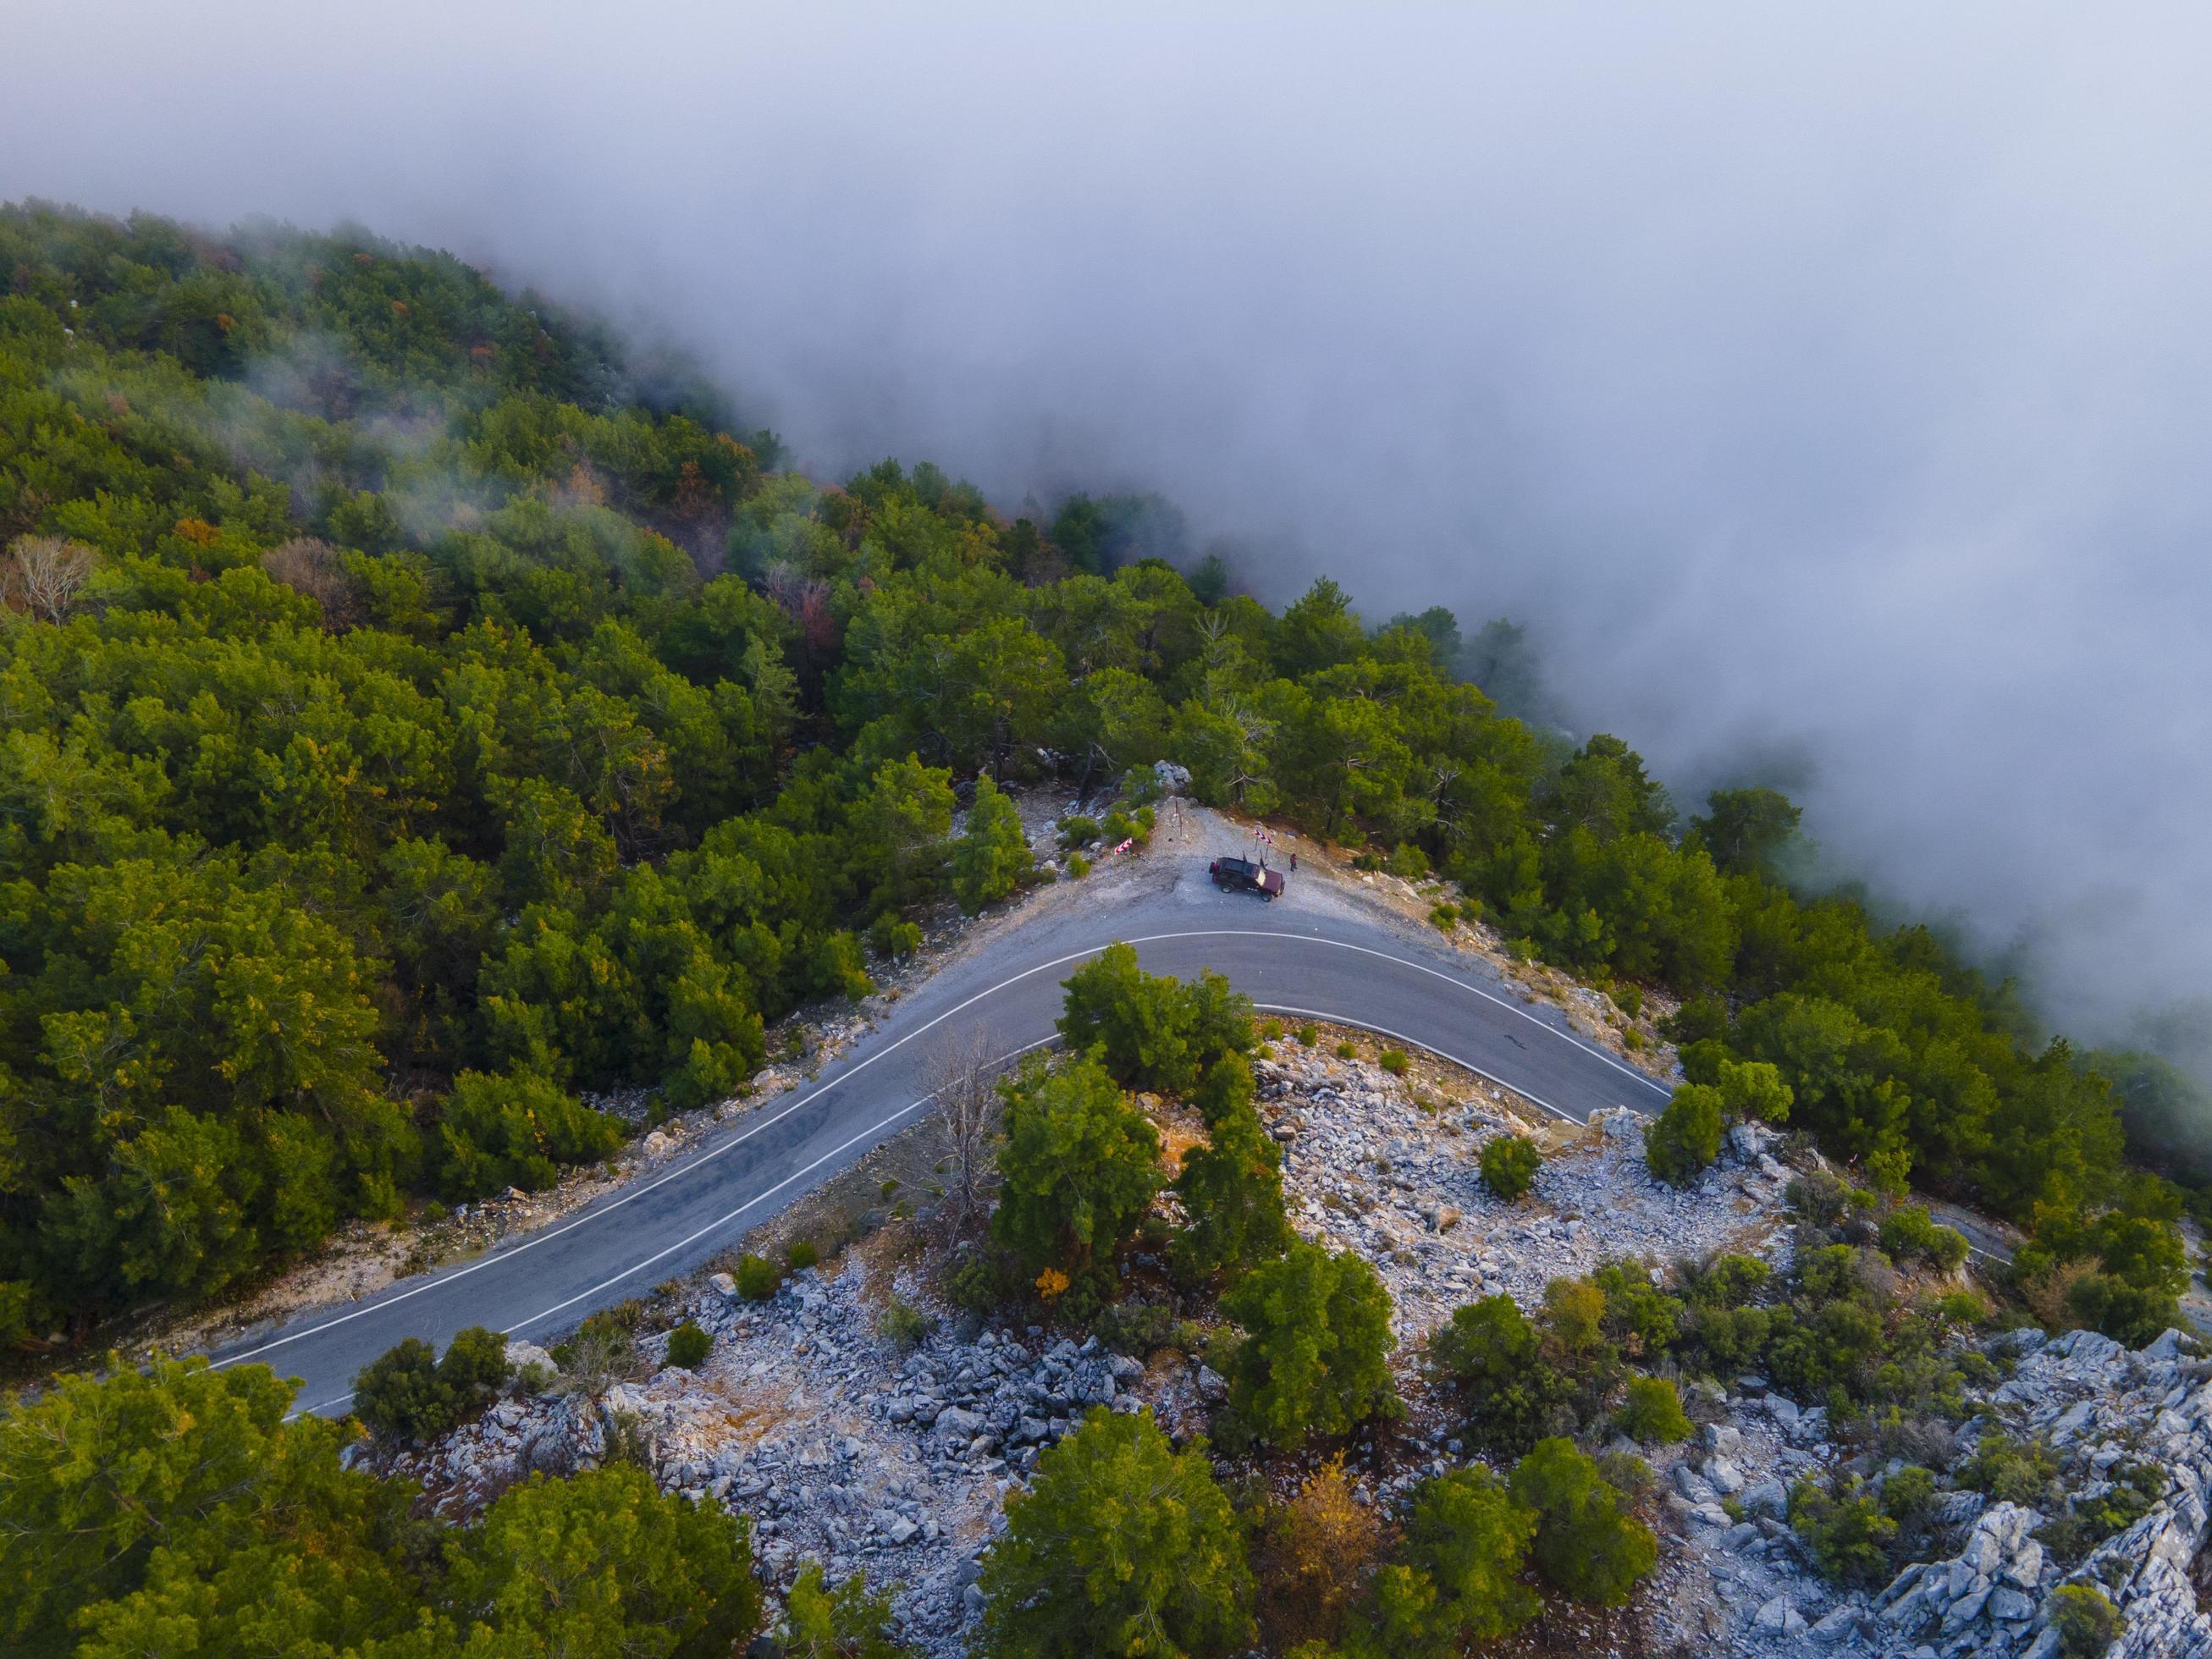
[[1409, 861], [987, 1281], [1847, 1530], [2011, 1471], [1491, 1359], [1586, 1544], [2086, 1622], [904, 1324], [1142, 1327], [2087, 1521], [407, 1394], [1911, 1235], [603, 1350], [802, 1255], [893, 937], [1308, 1035], [757, 1279], [1509, 1163], [1394, 1061], [1627, 1474], [688, 1345], [1653, 1414], [1686, 1136], [1120, 826]]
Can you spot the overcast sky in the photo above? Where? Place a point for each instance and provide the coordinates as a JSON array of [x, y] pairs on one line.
[[1830, 388]]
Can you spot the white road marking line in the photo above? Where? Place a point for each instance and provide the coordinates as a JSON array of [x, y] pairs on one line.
[[761, 1198], [815, 1093], [724, 1220], [1568, 1037], [1425, 1048]]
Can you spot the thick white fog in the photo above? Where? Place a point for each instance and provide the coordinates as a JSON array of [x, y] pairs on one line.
[[1829, 389]]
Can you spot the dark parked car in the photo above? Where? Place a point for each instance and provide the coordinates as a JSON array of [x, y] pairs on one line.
[[1243, 875]]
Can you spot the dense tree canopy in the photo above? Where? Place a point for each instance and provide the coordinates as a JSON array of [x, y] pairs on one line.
[[175, 1511], [418, 723], [1078, 1172], [1315, 1354], [1123, 1546]]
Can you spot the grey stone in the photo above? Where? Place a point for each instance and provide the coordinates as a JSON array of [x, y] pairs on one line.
[[1840, 1624], [1767, 1496], [1692, 1484], [2008, 1604], [522, 1354], [1967, 1608], [1750, 1139]]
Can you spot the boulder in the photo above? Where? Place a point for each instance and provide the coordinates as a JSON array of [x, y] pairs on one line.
[[1618, 1123], [522, 1354], [1840, 1624], [1750, 1139], [2008, 1604], [1769, 1497]]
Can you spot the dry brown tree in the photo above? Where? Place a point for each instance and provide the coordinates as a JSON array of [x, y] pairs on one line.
[[44, 575], [964, 1079], [315, 568]]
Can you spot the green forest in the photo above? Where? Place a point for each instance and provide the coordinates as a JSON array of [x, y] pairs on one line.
[[421, 716]]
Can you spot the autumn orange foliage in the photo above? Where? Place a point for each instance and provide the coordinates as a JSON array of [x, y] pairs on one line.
[[1314, 1558]]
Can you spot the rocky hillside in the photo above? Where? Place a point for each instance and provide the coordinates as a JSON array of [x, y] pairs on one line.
[[861, 1420]]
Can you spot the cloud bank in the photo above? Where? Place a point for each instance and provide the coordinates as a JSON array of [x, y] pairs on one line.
[[1828, 388]]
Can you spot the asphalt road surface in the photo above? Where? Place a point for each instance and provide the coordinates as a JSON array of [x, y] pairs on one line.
[[1315, 953]]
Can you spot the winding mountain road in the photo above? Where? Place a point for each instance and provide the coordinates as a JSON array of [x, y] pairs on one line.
[[1320, 952]]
